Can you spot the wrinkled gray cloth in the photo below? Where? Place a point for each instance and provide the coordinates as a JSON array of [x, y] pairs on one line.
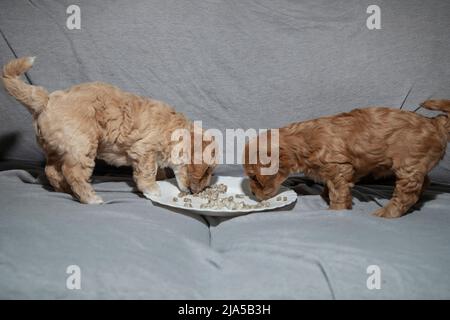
[[130, 248], [232, 64]]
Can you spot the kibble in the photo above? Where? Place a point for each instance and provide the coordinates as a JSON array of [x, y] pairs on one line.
[[214, 201]]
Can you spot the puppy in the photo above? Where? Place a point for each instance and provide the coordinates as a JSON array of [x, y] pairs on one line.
[[339, 150], [98, 120]]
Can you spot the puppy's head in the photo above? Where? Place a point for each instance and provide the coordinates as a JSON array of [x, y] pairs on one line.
[[202, 164], [264, 183]]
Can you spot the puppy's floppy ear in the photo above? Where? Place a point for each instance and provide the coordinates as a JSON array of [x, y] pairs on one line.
[[262, 154], [286, 157], [196, 171]]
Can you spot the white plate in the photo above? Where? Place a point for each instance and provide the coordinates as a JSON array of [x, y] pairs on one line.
[[236, 185]]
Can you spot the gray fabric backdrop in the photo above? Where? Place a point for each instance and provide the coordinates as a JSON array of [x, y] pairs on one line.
[[232, 64]]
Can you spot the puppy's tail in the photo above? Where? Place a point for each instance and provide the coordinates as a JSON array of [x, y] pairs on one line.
[[33, 97], [440, 105]]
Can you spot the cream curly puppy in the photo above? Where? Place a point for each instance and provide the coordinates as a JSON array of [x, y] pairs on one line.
[[98, 120]]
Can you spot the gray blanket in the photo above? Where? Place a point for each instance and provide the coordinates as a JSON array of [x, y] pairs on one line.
[[231, 64], [130, 248]]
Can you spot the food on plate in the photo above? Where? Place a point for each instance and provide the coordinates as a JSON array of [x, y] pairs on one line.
[[216, 198]]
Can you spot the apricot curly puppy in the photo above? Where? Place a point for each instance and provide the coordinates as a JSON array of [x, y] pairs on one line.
[[98, 120], [339, 150]]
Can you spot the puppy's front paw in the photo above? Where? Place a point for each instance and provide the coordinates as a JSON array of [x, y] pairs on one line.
[[94, 200], [184, 188], [153, 191], [386, 213], [182, 185], [340, 206]]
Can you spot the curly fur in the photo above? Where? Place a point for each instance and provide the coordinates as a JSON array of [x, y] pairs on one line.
[[339, 150], [98, 120]]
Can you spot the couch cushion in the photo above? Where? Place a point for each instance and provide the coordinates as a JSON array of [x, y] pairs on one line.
[[126, 248], [129, 248], [339, 246]]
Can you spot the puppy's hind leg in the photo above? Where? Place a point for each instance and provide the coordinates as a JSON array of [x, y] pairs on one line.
[[425, 185], [408, 188], [77, 170], [55, 176], [144, 173]]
